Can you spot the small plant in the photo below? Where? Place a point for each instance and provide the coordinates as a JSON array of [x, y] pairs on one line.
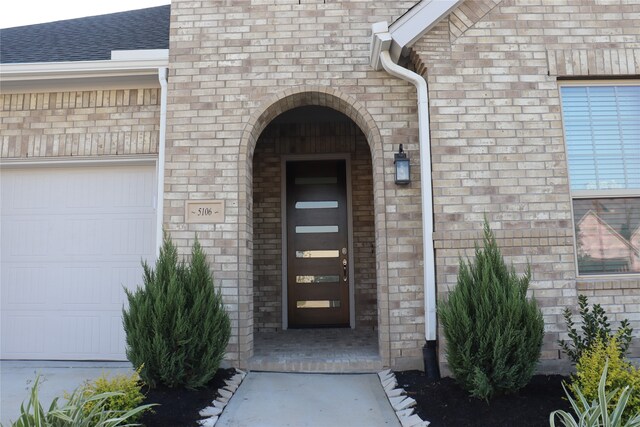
[[605, 410], [621, 373], [72, 413], [128, 387], [595, 325], [176, 326], [494, 333]]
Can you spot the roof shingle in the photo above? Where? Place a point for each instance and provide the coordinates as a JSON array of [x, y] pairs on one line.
[[86, 39]]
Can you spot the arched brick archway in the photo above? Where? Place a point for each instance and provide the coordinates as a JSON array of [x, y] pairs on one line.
[[271, 108], [309, 95]]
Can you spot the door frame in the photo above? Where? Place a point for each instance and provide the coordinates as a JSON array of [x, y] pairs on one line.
[[283, 203]]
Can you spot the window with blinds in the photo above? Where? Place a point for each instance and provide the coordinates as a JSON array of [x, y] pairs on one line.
[[602, 134]]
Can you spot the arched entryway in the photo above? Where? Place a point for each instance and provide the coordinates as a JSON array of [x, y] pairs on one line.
[[334, 290]]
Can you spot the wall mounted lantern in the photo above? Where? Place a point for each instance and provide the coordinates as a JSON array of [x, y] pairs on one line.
[[403, 172]]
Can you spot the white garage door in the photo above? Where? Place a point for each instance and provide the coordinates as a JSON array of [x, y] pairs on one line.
[[71, 238]]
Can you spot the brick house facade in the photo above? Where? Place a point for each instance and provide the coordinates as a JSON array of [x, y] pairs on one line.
[[254, 84]]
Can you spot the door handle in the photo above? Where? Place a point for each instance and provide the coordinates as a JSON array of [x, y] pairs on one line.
[[344, 270]]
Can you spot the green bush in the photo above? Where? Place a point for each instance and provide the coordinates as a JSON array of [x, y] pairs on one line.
[[595, 326], [128, 387], [176, 326], [73, 413], [621, 373], [606, 409], [493, 332]]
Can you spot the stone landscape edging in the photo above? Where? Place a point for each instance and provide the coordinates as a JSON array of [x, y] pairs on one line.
[[212, 413], [400, 402]]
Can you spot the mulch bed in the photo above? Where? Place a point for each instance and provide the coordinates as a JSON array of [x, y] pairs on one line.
[[444, 403], [179, 406]]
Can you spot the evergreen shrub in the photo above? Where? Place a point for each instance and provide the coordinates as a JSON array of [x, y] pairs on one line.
[[176, 325], [595, 327], [493, 332]]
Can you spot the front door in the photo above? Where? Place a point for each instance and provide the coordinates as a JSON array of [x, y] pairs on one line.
[[317, 244]]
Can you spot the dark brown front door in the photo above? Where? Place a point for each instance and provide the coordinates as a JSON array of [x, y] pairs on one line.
[[317, 244]]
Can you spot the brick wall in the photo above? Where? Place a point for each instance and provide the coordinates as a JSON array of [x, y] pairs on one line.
[[497, 140], [497, 137], [234, 67], [309, 138], [84, 123]]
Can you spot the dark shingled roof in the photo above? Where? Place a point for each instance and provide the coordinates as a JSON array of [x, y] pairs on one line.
[[86, 39]]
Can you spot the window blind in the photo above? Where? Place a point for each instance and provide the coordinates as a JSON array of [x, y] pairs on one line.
[[602, 131]]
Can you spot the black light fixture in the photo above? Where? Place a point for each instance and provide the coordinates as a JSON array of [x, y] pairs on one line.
[[403, 170]]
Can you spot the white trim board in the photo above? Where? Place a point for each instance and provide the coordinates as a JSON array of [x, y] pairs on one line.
[[78, 161]]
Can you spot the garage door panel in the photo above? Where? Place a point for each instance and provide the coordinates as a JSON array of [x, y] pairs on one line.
[[134, 240], [83, 287], [134, 197], [67, 255], [23, 286], [81, 334], [13, 245], [21, 194], [30, 340]]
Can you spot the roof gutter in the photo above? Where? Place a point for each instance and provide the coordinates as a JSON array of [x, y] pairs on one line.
[[79, 69], [388, 44], [125, 68]]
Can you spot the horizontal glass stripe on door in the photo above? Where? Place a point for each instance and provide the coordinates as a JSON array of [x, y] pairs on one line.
[[318, 279], [317, 205], [316, 229], [318, 304], [316, 180], [318, 254]]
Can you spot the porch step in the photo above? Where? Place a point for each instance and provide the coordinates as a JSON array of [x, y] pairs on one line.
[[340, 366]]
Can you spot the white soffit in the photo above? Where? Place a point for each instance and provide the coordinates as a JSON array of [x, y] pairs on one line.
[[416, 22]]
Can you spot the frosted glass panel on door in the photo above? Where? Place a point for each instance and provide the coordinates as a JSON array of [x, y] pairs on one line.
[[318, 254], [317, 205], [317, 279], [318, 304], [316, 180], [316, 229]]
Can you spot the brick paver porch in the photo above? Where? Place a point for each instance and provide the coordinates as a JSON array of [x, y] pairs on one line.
[[316, 350]]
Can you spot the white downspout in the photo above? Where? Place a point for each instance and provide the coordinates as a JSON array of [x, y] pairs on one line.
[[381, 42], [425, 187], [162, 77]]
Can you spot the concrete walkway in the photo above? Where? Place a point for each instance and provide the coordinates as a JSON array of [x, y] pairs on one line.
[[267, 399], [264, 399], [16, 379]]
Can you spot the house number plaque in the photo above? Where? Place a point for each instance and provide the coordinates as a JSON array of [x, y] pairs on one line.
[[204, 211]]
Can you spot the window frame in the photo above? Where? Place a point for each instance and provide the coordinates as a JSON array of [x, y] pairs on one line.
[[592, 194]]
